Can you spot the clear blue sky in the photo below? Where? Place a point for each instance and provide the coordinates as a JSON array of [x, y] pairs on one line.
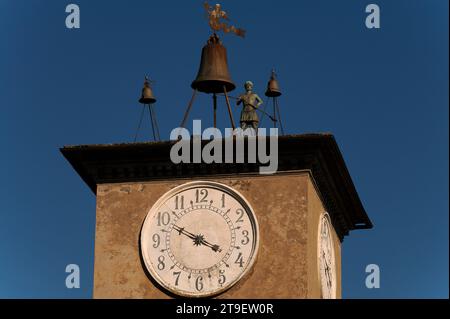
[[383, 93]]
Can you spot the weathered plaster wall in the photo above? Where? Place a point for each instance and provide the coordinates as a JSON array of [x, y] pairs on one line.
[[281, 206]]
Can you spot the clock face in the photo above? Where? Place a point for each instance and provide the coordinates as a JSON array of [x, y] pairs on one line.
[[327, 264], [199, 239]]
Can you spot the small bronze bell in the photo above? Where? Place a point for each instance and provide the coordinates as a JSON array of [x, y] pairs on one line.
[[273, 88], [147, 93], [213, 75]]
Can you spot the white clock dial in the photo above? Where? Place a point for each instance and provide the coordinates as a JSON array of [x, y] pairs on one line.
[[199, 239], [327, 264]]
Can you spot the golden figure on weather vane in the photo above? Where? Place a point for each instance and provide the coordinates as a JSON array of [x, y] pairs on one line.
[[215, 17]]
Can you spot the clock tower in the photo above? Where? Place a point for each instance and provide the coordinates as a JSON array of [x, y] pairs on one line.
[[223, 230], [224, 226]]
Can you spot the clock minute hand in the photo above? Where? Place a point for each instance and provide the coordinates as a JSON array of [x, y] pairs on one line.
[[181, 230]]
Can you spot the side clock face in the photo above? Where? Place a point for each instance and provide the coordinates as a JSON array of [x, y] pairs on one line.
[[327, 264], [199, 239]]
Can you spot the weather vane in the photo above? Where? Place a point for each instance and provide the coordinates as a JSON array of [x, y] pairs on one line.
[[218, 20]]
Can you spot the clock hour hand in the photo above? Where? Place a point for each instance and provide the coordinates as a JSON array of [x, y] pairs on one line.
[[198, 239], [216, 248]]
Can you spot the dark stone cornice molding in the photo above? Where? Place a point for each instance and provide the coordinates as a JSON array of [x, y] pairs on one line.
[[317, 153]]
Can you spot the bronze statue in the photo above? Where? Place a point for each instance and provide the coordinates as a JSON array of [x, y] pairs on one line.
[[251, 101]]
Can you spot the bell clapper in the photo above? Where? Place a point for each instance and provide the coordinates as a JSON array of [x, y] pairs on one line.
[[215, 109]]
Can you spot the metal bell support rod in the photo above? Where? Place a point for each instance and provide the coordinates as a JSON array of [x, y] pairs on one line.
[[155, 128], [230, 113], [191, 102], [153, 121], [274, 113], [228, 106], [140, 123], [186, 113], [275, 100]]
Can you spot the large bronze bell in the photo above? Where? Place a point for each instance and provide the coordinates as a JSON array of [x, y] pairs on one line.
[[147, 94], [213, 75], [273, 88]]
